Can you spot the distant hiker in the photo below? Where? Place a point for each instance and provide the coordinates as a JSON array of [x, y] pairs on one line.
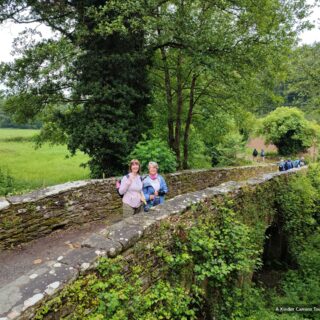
[[282, 165], [131, 189], [288, 164], [254, 154], [154, 186], [302, 162], [296, 163], [262, 154]]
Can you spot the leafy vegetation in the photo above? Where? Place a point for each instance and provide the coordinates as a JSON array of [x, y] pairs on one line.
[[7, 122], [301, 88], [288, 129], [6, 182], [297, 203], [154, 150], [301, 286]]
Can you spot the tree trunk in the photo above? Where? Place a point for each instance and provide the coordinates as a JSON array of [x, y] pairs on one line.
[[179, 110], [168, 90], [188, 124]]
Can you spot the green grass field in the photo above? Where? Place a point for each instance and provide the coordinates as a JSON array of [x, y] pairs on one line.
[[35, 168]]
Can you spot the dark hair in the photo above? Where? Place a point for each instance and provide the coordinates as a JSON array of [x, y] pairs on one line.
[[134, 161]]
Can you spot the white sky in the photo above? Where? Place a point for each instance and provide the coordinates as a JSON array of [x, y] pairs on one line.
[[9, 31], [311, 36]]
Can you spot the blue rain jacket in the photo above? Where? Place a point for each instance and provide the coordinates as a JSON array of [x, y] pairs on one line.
[[148, 190]]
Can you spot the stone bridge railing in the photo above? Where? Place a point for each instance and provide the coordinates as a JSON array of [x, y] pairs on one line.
[[36, 214], [29, 292]]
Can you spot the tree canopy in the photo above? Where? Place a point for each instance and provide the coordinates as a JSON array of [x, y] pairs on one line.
[[301, 89], [209, 56], [92, 84], [297, 83]]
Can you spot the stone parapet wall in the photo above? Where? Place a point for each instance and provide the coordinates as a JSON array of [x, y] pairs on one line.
[[131, 238], [36, 214]]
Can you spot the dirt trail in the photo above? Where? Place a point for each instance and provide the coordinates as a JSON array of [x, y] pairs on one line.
[[259, 144]]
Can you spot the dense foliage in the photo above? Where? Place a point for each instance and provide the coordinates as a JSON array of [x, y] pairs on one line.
[[297, 85], [301, 88], [288, 129], [297, 203], [154, 150]]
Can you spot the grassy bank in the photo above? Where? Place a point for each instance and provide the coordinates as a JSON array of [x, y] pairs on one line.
[[34, 168]]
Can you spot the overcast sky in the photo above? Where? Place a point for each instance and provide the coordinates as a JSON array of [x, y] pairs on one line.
[[9, 31]]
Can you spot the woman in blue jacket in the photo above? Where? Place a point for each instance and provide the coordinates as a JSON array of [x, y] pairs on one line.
[[154, 186]]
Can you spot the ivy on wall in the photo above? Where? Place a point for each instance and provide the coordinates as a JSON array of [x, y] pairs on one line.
[[198, 265]]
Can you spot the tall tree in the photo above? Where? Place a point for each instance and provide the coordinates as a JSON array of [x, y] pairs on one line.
[[91, 88]]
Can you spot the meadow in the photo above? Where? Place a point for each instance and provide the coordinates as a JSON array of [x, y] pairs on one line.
[[33, 168]]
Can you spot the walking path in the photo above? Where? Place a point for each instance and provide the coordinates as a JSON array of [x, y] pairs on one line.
[[22, 267], [21, 260]]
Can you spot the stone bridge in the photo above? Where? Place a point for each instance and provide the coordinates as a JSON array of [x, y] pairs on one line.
[[50, 237]]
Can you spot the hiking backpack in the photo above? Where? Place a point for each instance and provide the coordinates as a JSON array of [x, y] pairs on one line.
[[282, 166]]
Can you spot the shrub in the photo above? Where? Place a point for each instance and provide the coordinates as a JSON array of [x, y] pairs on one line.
[[288, 129], [154, 150]]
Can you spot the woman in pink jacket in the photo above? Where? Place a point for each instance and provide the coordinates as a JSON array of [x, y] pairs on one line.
[[131, 189]]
